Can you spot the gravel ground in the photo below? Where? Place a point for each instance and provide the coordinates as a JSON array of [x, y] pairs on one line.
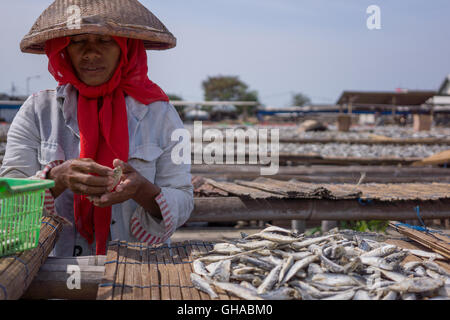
[[340, 149], [357, 132]]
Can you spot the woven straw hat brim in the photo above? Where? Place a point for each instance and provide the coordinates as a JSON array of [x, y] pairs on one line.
[[122, 18]]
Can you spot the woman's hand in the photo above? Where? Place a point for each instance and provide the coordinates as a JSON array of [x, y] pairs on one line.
[[132, 186], [76, 175]]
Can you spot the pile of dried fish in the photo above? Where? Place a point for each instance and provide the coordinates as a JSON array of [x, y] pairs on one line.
[[277, 264]]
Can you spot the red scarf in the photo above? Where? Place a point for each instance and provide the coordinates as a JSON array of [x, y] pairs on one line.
[[104, 133]]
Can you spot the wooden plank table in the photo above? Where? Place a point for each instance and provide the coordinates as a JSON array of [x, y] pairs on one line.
[[136, 271]]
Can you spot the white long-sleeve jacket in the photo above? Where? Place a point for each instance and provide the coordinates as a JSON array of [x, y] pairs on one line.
[[45, 130]]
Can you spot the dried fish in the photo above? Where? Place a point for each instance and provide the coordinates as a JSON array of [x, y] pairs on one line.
[[417, 285], [257, 245], [276, 263], [330, 265], [380, 252], [257, 262], [244, 270], [294, 255], [376, 262], [285, 267], [435, 267], [221, 271], [199, 268], [347, 295], [275, 237], [311, 291], [199, 283], [249, 286], [420, 271], [226, 248], [283, 293], [300, 264], [391, 295], [337, 280], [237, 290], [270, 281], [425, 254], [362, 295], [308, 242], [314, 268]]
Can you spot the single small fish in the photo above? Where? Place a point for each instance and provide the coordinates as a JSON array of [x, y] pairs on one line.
[[233, 257], [391, 295], [337, 280], [243, 277], [270, 281], [330, 265], [308, 242], [300, 255], [249, 286], [237, 290], [417, 285], [362, 295], [199, 283], [257, 262], [395, 276], [278, 229], [314, 268], [409, 266], [380, 284], [221, 271], [433, 274], [353, 252], [408, 296], [283, 293], [376, 262], [396, 257], [270, 259], [425, 254], [420, 271], [225, 248], [435, 267], [244, 270], [315, 249], [380, 252], [347, 295], [199, 268], [298, 265], [286, 265], [439, 298], [328, 288], [117, 174], [257, 245], [310, 290], [275, 237], [353, 265]]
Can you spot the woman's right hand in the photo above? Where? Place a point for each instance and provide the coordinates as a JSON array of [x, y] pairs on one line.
[[76, 175]]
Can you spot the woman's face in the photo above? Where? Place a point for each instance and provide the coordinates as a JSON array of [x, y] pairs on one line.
[[94, 57]]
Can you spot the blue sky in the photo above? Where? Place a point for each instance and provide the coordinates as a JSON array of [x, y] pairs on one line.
[[277, 47]]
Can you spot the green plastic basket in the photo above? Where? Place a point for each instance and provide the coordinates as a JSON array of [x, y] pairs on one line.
[[21, 205]]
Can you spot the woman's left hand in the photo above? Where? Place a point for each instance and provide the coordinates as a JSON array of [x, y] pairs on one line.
[[130, 183]]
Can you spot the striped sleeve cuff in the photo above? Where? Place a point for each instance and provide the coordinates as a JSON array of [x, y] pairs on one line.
[[143, 234]]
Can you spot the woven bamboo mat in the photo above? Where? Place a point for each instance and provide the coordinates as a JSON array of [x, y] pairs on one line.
[[136, 271]]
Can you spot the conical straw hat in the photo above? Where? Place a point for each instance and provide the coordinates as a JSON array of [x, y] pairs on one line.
[[122, 18]]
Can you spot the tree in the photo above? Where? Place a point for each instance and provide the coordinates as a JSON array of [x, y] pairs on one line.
[[228, 88], [299, 100]]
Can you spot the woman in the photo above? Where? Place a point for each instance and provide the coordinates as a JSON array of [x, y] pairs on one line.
[[104, 114]]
